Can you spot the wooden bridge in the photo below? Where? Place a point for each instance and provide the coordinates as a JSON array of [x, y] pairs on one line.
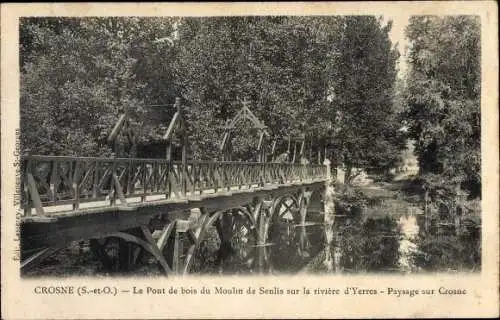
[[146, 203]]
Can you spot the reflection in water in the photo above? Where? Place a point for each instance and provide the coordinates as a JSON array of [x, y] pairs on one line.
[[366, 244], [355, 241], [352, 243], [442, 246], [407, 245], [289, 248]]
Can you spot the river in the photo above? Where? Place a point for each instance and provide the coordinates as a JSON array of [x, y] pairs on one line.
[[385, 236]]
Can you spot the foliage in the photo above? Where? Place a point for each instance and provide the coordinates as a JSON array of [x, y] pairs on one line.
[[448, 253], [349, 200], [77, 76], [370, 245], [276, 62], [443, 97], [366, 124], [327, 79]]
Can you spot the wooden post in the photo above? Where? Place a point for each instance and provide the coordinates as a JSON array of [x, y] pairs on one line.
[[168, 154], [310, 150], [457, 204], [53, 181], [303, 206], [144, 169], [168, 184], [426, 210], [76, 189], [225, 228], [329, 209], [184, 167], [175, 253], [261, 225], [183, 133], [294, 152], [112, 187], [261, 140], [35, 197], [273, 148]]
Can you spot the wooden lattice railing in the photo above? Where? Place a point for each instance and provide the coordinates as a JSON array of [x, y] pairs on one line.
[[73, 181]]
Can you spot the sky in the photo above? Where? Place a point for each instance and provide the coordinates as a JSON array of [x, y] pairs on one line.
[[397, 35]]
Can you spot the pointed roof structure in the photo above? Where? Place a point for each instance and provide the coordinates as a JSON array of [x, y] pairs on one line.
[[244, 114]]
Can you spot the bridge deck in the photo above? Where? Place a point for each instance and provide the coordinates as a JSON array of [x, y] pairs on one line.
[[51, 213], [61, 227]]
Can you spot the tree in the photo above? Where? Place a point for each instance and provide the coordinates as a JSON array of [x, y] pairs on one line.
[[78, 75], [328, 79], [278, 63], [443, 97], [366, 123]]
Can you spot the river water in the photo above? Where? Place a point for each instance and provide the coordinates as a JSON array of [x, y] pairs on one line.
[[382, 238]]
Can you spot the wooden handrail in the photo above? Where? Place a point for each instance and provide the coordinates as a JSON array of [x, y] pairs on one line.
[[63, 180]]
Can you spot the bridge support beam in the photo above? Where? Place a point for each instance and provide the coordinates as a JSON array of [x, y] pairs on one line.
[[34, 259], [304, 198], [264, 215]]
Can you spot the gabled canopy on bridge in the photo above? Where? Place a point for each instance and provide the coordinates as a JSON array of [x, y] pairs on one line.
[[244, 114], [123, 125], [177, 122]]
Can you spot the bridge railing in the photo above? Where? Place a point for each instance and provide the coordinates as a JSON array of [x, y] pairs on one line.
[[49, 181]]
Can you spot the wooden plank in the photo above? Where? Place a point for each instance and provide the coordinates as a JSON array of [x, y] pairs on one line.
[[147, 234], [165, 234], [261, 139], [150, 247], [173, 185], [184, 164], [90, 172], [224, 140], [119, 190], [36, 219], [36, 258], [54, 181], [256, 211], [162, 177], [76, 189], [192, 236], [135, 255], [144, 182], [175, 256], [105, 175], [116, 129], [35, 197], [95, 179], [168, 135]]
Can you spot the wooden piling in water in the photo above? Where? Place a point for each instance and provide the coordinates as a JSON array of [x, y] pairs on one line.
[[329, 209]]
